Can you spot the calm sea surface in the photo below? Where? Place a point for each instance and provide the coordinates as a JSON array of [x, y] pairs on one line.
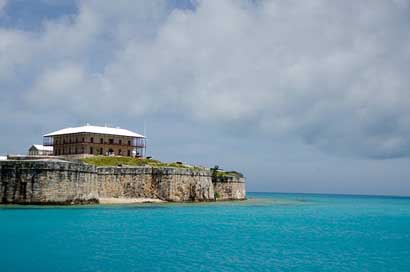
[[268, 232]]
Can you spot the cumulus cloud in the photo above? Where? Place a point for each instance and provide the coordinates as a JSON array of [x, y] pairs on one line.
[[334, 74]]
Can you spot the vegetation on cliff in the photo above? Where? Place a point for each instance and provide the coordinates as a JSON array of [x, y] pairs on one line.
[[129, 161], [228, 174], [219, 173]]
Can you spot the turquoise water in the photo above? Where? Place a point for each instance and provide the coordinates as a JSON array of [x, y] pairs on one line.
[[268, 232]]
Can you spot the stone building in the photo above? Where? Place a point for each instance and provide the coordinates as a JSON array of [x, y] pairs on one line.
[[95, 140], [40, 150]]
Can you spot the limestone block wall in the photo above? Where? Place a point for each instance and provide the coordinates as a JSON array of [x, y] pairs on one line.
[[47, 182], [170, 184], [178, 184], [126, 182], [64, 182], [230, 188]]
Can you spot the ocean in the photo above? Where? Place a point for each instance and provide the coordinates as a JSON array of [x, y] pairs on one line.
[[267, 232]]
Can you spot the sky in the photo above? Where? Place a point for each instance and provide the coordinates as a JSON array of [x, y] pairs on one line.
[[300, 96]]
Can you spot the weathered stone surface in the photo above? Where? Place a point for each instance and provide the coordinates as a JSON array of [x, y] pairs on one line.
[[175, 184], [63, 182], [230, 188], [52, 182], [125, 182]]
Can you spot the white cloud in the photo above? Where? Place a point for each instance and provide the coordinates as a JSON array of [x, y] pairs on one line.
[[2, 5], [334, 74]]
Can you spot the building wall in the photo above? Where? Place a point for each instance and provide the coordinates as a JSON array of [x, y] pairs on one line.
[[230, 188], [179, 184], [127, 182], [96, 144], [35, 152], [170, 184], [47, 182], [60, 182]]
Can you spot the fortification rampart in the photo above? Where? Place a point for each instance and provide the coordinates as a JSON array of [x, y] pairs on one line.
[[229, 187], [63, 182], [43, 182]]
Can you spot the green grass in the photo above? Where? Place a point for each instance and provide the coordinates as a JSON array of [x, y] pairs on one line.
[[220, 173], [128, 161]]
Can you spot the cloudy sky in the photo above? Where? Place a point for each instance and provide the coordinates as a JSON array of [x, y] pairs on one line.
[[301, 96]]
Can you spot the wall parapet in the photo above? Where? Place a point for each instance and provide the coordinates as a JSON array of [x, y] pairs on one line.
[[67, 182]]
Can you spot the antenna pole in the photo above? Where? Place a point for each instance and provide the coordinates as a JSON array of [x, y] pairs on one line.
[[145, 141]]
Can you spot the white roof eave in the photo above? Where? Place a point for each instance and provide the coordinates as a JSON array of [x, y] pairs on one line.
[[42, 147], [96, 130]]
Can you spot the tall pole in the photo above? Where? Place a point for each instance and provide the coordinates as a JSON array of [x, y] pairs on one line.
[[145, 141]]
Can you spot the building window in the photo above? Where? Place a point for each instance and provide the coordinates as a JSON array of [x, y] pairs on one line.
[[120, 141], [129, 142], [91, 149], [129, 153], [92, 140], [101, 141], [83, 140], [101, 150], [111, 141]]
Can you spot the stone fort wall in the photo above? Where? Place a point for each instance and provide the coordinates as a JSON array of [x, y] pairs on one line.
[[63, 182]]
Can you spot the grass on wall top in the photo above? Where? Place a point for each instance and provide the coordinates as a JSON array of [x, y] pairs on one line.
[[130, 161], [220, 173]]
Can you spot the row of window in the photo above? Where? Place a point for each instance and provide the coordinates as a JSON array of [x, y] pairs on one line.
[[97, 151], [83, 140]]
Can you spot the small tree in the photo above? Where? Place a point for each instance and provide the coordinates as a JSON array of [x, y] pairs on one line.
[[214, 171]]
